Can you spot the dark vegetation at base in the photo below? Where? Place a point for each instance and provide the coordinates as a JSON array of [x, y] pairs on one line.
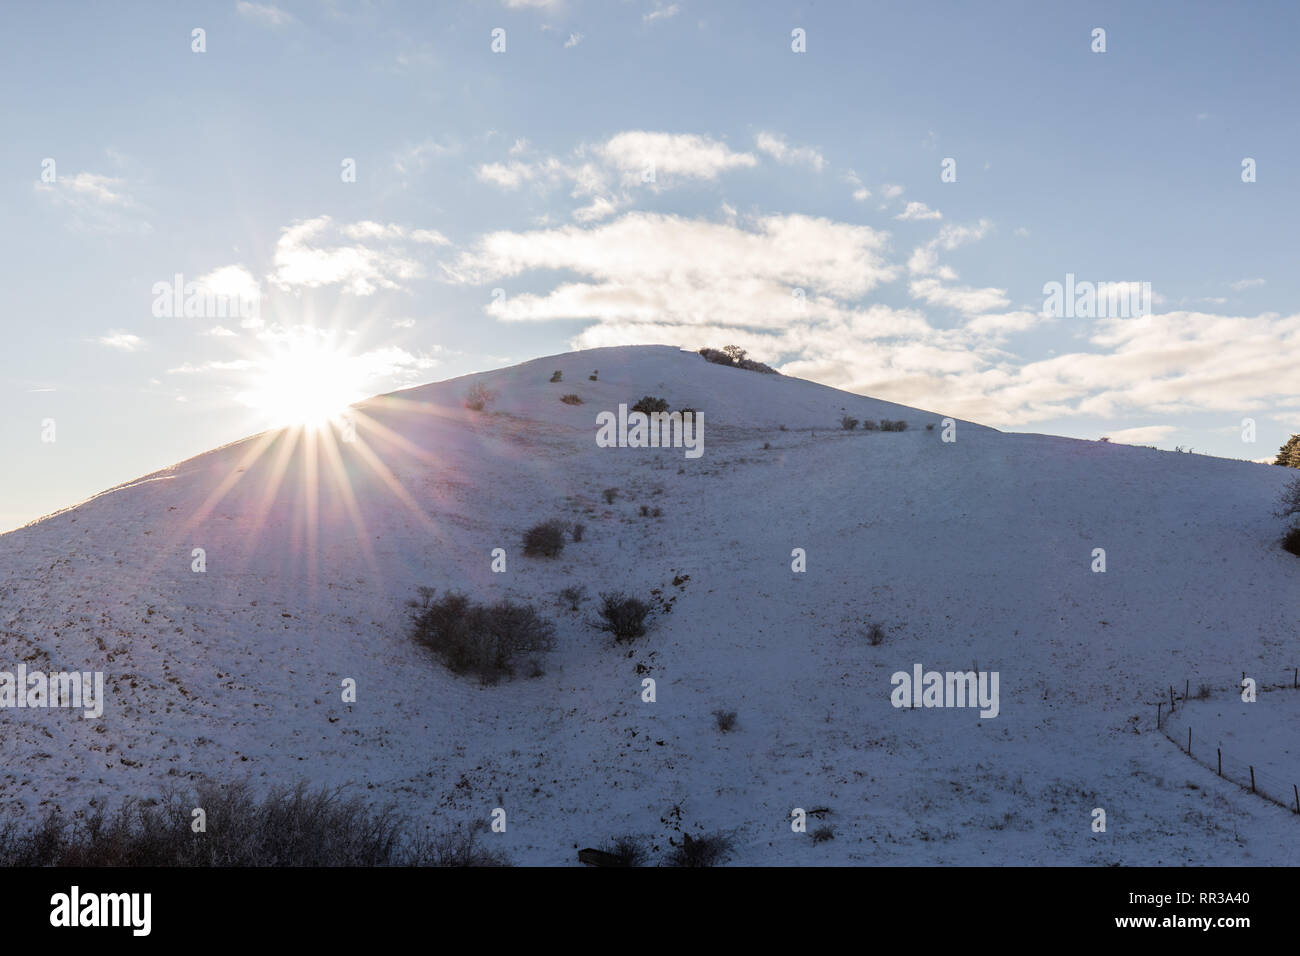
[[289, 826], [708, 850]]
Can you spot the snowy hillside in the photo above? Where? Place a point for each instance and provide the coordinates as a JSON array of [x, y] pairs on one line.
[[976, 552]]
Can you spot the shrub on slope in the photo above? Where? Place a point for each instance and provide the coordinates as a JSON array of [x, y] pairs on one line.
[[482, 639]]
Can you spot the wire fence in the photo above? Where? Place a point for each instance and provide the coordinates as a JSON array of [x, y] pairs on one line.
[[1267, 784]]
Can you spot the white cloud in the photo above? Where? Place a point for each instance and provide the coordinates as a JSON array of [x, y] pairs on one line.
[[918, 211], [574, 40], [925, 258], [123, 341], [1243, 284], [96, 203], [264, 13], [774, 145], [860, 191], [418, 156], [232, 282], [661, 12], [891, 191], [375, 256], [670, 154], [599, 208], [965, 299], [650, 267], [219, 331]]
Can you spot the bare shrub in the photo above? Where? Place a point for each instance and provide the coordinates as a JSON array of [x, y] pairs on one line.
[[726, 719], [1291, 541], [484, 639], [1288, 503], [823, 833], [735, 356], [457, 848], [573, 596], [478, 397], [649, 405], [622, 616], [571, 399], [545, 539], [578, 529], [557, 376], [874, 634], [289, 826], [626, 850], [886, 425], [707, 850], [610, 494]]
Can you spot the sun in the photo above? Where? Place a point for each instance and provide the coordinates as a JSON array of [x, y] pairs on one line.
[[304, 381]]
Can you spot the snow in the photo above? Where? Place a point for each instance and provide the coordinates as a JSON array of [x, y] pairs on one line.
[[972, 553]]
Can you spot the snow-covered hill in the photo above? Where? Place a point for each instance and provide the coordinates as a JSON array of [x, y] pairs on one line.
[[976, 552]]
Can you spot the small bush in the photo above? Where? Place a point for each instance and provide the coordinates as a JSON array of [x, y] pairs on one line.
[[893, 426], [783, 428], [645, 511], [573, 596], [626, 851], [610, 494], [657, 513], [875, 635], [929, 427], [1291, 541], [823, 833], [578, 529], [545, 539], [557, 376], [688, 413], [571, 399], [735, 357], [767, 445], [726, 719], [592, 376], [478, 397], [456, 848], [481, 638], [848, 423], [623, 616], [649, 405], [708, 850], [1288, 504], [869, 426], [1202, 692]]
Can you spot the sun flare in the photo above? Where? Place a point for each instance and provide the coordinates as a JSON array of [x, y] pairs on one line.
[[304, 382]]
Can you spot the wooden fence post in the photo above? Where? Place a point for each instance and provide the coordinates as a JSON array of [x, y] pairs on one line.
[[1189, 741], [1171, 698], [1220, 750], [1252, 779], [1160, 705], [1187, 688], [1297, 797]]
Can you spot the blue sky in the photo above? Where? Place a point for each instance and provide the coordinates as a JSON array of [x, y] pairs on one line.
[[795, 207]]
